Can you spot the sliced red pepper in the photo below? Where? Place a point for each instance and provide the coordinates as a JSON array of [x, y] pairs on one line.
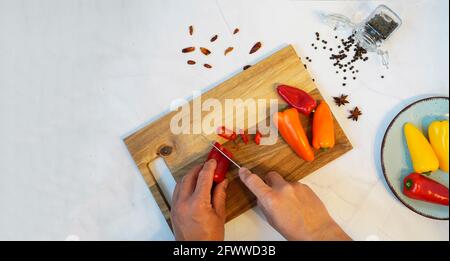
[[225, 133], [223, 164], [417, 186], [257, 137], [244, 136], [297, 98]]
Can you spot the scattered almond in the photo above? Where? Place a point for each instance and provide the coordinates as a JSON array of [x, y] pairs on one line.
[[207, 66], [246, 67], [205, 51], [255, 47], [214, 38], [191, 30], [190, 62], [188, 49], [236, 31], [228, 50]]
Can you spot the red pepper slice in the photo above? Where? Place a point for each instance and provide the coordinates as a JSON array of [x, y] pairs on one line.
[[419, 187], [244, 136], [257, 138], [223, 164], [226, 133], [297, 98]]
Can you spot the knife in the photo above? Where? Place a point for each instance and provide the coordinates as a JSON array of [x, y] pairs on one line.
[[225, 155]]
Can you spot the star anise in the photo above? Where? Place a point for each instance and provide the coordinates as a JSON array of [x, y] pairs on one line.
[[354, 114], [341, 101]]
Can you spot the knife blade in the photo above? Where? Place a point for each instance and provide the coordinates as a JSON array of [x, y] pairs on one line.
[[225, 155]]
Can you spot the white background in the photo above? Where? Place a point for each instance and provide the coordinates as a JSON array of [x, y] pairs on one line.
[[77, 76]]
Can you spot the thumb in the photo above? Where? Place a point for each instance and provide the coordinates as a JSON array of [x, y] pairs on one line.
[[254, 183], [219, 199]]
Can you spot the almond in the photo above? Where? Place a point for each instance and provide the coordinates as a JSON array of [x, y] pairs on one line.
[[188, 49], [205, 51], [190, 62], [228, 50], [255, 47], [207, 66]]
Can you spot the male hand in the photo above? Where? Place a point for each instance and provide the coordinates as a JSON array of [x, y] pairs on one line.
[[293, 209], [195, 214]]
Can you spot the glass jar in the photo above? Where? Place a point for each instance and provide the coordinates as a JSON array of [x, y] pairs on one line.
[[371, 33]]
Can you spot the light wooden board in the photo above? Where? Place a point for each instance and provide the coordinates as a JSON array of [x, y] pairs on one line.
[[257, 82]]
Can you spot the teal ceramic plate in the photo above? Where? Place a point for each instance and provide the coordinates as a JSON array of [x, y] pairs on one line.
[[395, 159]]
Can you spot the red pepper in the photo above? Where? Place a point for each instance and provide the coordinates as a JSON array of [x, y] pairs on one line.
[[226, 133], [419, 187], [244, 136], [257, 137], [297, 98], [223, 164]]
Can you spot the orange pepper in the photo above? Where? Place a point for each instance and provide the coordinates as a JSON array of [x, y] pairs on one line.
[[323, 127], [291, 129]]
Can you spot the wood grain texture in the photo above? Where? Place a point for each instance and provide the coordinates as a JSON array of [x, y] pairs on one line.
[[257, 82]]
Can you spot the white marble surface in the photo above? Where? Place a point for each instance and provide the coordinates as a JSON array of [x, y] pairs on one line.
[[77, 76]]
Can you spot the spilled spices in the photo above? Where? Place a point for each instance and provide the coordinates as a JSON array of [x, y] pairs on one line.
[[255, 47], [205, 51], [347, 55], [228, 50], [188, 49]]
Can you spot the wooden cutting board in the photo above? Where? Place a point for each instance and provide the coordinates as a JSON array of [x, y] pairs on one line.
[[258, 82]]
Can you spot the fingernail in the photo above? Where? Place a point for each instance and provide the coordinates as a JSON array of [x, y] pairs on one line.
[[243, 171], [211, 162]]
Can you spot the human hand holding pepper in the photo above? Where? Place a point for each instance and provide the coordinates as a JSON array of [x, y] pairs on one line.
[[293, 209], [196, 214]]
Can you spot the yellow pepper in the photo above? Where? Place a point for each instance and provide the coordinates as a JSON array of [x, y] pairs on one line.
[[422, 155], [438, 134]]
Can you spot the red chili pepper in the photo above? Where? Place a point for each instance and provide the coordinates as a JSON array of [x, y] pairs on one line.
[[223, 164], [417, 186], [244, 136], [226, 133], [297, 98], [257, 138]]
